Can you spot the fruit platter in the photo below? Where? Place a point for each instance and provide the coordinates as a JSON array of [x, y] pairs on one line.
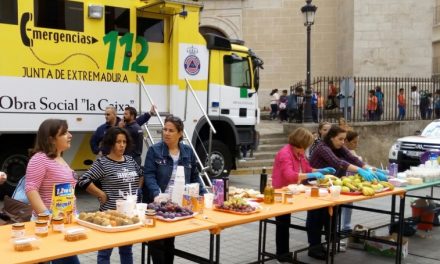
[[170, 212], [237, 205], [108, 221], [355, 185]]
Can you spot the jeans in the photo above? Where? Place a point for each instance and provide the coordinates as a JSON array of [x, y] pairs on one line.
[[402, 113], [274, 111], [125, 255], [66, 260], [346, 218]]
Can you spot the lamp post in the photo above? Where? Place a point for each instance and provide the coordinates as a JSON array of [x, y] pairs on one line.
[[308, 12]]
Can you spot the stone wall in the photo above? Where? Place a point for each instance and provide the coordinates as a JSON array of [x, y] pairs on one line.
[[350, 37], [393, 38], [376, 138]]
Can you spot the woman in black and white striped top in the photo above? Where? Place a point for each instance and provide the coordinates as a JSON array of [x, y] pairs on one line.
[[115, 172]]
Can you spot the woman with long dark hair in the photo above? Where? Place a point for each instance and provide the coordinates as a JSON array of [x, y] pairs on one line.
[[47, 168]]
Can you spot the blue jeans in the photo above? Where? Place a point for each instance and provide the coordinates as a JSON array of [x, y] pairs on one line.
[[125, 255], [66, 260], [402, 113], [274, 111], [346, 218]]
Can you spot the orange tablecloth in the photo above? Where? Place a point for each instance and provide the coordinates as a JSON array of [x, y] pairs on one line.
[[54, 246], [300, 203]]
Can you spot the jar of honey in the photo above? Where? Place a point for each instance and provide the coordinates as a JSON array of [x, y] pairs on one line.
[[43, 217], [288, 198], [18, 230], [41, 228], [150, 218], [314, 192], [278, 197], [58, 224]]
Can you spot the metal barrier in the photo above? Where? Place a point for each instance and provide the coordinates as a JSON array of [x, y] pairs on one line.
[[352, 97]]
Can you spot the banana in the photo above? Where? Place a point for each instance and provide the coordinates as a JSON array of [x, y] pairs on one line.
[[387, 185], [351, 186], [345, 189], [367, 191], [366, 183]]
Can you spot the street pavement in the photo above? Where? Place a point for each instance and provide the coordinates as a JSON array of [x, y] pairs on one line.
[[239, 244]]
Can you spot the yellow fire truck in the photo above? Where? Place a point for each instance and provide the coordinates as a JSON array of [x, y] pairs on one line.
[[71, 59]]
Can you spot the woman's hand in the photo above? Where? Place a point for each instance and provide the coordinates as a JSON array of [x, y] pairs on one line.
[[102, 198]]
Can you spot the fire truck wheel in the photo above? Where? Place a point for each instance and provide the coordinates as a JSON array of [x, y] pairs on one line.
[[219, 160]]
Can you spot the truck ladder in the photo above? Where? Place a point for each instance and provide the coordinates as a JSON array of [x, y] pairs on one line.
[[151, 139]]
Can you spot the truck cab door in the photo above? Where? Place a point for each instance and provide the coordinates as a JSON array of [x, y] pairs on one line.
[[236, 96]]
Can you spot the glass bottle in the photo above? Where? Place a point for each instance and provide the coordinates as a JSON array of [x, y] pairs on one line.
[[269, 192]]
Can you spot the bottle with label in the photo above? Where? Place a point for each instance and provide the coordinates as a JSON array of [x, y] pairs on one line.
[[226, 186], [179, 186], [269, 192]]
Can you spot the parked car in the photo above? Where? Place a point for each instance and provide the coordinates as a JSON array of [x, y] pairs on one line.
[[406, 151]]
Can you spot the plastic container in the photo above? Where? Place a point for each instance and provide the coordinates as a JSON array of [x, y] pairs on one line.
[[423, 213], [25, 243], [75, 233], [208, 200], [219, 193], [179, 186]]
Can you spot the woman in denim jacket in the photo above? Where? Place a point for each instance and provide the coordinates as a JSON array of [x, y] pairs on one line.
[[159, 173]]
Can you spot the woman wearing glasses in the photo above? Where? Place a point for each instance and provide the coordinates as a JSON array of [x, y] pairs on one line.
[[159, 173]]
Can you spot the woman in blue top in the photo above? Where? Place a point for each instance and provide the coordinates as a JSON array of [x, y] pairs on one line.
[[159, 172]]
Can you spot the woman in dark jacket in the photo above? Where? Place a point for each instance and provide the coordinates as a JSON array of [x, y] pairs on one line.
[[159, 173], [331, 152]]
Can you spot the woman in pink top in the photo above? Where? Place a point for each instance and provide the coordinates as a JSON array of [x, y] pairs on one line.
[[291, 167], [47, 167]]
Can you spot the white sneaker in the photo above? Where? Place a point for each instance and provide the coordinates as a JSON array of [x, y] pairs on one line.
[[342, 246]]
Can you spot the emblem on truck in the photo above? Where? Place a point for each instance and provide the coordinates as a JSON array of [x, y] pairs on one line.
[[192, 62]]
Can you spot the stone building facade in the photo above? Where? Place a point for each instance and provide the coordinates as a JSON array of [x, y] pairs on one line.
[[349, 38]]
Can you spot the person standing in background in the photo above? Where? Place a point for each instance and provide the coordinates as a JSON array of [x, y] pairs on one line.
[[283, 106], [320, 106], [274, 98], [323, 129], [314, 105], [371, 106], [401, 104], [380, 105], [331, 97], [415, 102], [111, 120], [437, 104], [136, 134], [292, 107]]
